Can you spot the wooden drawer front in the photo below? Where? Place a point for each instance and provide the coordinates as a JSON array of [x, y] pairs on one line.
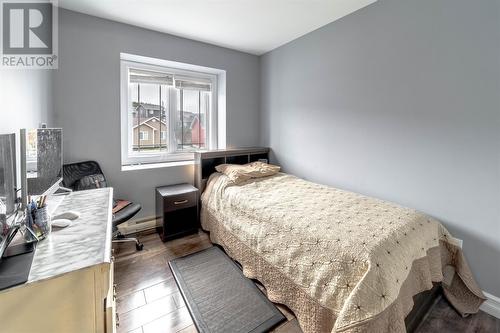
[[111, 316], [180, 201], [110, 310]]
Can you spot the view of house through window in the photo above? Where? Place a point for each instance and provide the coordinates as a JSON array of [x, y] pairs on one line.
[[190, 129], [167, 111]]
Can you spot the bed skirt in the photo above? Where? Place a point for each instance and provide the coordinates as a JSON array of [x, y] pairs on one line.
[[444, 263]]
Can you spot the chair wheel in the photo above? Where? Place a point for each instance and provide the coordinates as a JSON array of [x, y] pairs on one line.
[[139, 246]]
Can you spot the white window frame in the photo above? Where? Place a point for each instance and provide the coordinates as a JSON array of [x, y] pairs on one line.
[[216, 120], [143, 135], [163, 135]]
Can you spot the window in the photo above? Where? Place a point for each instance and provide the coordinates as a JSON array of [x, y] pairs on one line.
[[169, 110]]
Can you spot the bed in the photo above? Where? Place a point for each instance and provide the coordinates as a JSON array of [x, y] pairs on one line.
[[342, 262]]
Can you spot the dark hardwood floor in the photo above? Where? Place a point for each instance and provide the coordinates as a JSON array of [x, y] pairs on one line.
[[443, 319], [148, 300]]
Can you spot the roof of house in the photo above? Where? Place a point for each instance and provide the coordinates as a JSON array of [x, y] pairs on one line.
[[145, 122], [187, 117], [147, 106]]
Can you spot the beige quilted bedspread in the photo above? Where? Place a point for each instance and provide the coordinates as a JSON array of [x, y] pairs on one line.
[[341, 261]]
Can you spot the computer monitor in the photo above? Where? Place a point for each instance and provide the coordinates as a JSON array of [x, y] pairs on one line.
[[8, 205], [41, 161]]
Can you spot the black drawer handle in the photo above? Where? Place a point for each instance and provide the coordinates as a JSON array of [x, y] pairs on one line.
[[181, 202]]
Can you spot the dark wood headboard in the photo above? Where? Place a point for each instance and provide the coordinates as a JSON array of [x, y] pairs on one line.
[[205, 162]]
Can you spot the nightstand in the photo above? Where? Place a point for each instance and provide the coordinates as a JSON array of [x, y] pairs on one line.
[[176, 210]]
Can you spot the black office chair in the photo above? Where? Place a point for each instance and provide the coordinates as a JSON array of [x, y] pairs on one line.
[[88, 175]]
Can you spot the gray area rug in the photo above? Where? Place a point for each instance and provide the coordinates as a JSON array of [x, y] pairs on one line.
[[219, 297]]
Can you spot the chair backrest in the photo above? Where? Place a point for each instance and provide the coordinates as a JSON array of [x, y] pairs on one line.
[[73, 172]]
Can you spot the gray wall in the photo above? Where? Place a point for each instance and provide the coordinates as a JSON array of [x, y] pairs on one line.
[[25, 98], [399, 100], [25, 101], [87, 96]]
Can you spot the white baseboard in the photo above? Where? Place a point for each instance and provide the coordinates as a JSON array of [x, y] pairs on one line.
[[138, 225], [491, 305]]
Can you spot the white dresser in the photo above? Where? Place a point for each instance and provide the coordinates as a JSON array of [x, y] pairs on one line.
[[70, 286]]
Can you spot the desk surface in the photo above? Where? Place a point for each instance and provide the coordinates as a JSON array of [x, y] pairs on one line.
[[85, 243]]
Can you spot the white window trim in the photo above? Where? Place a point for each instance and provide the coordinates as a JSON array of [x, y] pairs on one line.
[[144, 135], [216, 119]]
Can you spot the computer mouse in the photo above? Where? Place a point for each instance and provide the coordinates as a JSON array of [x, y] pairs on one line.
[[68, 215], [61, 223]]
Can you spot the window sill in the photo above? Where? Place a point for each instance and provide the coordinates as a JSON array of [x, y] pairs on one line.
[[156, 165]]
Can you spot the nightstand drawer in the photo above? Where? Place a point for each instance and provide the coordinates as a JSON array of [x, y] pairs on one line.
[[180, 201]]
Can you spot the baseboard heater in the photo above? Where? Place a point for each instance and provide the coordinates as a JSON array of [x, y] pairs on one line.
[[138, 225]]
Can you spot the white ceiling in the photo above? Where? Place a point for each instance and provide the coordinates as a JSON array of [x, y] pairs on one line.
[[253, 26]]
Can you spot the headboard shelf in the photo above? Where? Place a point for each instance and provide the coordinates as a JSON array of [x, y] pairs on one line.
[[206, 161]]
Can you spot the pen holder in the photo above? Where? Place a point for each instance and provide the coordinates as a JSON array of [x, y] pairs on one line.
[[39, 223], [43, 221]]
